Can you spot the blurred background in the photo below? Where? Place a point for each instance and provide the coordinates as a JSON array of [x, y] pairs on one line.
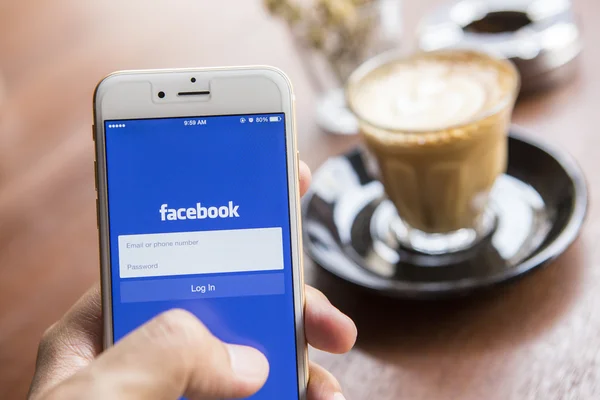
[[538, 339]]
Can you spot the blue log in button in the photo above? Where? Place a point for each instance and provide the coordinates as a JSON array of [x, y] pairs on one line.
[[202, 287]]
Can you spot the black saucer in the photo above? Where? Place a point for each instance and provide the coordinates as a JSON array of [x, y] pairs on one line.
[[540, 203]]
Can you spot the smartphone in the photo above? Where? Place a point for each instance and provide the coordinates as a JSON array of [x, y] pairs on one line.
[[198, 208]]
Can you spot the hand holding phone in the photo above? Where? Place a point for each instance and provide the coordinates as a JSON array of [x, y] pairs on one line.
[[76, 369]]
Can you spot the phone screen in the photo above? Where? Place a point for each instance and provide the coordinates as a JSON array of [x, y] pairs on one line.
[[199, 219]]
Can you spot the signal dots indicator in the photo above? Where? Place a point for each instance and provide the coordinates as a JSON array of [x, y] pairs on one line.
[[116, 126]]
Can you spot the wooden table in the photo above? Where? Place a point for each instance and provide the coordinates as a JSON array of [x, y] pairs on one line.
[[536, 339]]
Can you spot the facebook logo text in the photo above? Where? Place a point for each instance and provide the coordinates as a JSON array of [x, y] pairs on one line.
[[199, 212]]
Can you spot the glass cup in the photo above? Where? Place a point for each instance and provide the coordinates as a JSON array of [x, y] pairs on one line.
[[436, 124]]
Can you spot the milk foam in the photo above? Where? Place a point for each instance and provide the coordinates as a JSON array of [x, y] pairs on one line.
[[422, 95]]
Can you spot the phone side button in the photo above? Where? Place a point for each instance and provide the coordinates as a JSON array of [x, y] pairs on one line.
[[96, 175], [94, 132], [97, 213]]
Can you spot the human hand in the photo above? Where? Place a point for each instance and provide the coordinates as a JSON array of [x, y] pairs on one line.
[[173, 355]]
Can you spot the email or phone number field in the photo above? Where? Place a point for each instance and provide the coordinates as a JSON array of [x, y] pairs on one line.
[[206, 252]]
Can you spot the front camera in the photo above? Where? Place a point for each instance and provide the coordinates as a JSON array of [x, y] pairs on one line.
[[161, 95], [193, 80]]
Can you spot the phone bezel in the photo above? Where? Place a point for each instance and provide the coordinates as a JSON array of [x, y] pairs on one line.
[[233, 91]]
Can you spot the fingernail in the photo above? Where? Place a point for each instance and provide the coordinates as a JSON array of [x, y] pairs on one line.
[[248, 363], [338, 396]]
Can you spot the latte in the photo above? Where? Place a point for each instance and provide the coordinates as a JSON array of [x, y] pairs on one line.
[[437, 125]]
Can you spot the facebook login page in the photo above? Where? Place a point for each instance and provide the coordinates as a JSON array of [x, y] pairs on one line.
[[199, 219]]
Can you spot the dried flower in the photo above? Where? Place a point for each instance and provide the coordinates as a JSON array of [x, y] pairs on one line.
[[338, 29]]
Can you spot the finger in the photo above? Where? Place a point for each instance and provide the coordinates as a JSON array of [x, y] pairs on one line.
[[305, 177], [326, 327], [322, 385], [171, 356], [70, 344]]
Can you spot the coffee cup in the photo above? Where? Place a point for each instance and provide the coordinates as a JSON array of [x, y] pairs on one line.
[[436, 123]]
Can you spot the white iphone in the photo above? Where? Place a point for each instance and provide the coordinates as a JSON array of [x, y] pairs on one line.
[[198, 208]]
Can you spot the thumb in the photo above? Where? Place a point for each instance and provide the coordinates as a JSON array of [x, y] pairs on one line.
[[171, 356]]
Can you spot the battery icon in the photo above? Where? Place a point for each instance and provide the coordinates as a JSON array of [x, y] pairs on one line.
[[274, 119]]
